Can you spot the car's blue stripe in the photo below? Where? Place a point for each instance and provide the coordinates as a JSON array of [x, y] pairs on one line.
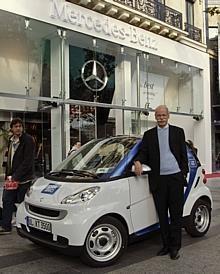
[[193, 167], [147, 229], [120, 169]]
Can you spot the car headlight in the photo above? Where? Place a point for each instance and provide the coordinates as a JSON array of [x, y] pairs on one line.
[[82, 196]]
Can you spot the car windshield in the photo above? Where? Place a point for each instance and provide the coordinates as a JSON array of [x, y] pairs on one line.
[[96, 157]]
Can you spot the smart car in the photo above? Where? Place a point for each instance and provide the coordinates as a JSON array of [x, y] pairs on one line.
[[92, 204]]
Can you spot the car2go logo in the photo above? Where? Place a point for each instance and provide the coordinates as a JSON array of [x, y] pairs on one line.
[[50, 189]]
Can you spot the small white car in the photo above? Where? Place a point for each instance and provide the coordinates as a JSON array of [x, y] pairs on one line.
[[92, 203]]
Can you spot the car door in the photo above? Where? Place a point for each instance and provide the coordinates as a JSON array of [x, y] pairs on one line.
[[143, 211]]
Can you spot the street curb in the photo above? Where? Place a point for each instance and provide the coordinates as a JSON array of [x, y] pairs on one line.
[[212, 175]]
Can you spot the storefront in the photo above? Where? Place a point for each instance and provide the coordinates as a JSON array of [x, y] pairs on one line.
[[73, 74]]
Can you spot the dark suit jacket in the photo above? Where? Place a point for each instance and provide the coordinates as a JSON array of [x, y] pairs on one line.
[[149, 152], [23, 160]]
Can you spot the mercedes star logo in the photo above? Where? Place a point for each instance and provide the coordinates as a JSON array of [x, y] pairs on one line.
[[94, 75]]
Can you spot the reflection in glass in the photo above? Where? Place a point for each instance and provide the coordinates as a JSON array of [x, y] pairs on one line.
[[153, 80], [82, 124], [92, 78], [24, 59], [38, 125], [164, 81], [98, 157]]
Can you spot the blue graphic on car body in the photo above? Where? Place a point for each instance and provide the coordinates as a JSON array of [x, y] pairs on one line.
[[121, 168], [50, 189], [193, 167]]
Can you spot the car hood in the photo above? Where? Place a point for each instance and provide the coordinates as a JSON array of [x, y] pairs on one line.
[[50, 192]]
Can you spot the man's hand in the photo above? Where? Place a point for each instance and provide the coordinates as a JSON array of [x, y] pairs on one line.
[[138, 168]]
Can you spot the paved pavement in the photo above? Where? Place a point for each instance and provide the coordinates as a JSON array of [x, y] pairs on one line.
[[198, 255]]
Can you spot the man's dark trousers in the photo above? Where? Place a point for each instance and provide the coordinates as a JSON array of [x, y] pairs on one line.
[[9, 198], [170, 195]]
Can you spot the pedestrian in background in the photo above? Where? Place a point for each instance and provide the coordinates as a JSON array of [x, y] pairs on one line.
[[74, 148], [163, 148], [19, 172]]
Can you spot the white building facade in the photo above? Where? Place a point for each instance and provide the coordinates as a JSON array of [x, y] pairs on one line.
[[78, 70]]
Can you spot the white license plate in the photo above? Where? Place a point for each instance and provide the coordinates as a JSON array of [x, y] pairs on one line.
[[39, 224]]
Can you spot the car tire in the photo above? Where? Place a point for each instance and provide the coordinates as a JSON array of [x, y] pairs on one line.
[[198, 222], [105, 242]]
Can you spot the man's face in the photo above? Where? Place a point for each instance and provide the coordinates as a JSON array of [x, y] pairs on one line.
[[161, 116], [78, 144], [17, 129]]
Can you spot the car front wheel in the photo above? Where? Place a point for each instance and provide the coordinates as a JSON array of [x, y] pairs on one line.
[[198, 222], [105, 242]]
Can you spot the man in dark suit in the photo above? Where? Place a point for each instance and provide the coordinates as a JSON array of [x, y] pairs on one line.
[[163, 148], [19, 172]]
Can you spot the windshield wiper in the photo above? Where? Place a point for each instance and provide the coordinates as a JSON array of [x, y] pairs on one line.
[[85, 173], [63, 171], [54, 173], [67, 171], [72, 172]]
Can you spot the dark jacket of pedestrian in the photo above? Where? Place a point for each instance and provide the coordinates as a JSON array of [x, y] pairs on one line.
[[19, 172], [22, 167]]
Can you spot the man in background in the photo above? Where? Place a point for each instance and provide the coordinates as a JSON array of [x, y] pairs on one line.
[[74, 148], [19, 172]]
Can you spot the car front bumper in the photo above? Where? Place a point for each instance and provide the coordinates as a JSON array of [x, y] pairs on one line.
[[70, 231], [41, 238]]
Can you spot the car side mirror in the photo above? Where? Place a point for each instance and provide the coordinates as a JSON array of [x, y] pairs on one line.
[[145, 168]]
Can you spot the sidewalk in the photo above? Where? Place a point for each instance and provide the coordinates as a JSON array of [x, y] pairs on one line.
[[196, 258]]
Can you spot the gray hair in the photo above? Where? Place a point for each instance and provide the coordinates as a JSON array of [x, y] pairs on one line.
[[162, 106]]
